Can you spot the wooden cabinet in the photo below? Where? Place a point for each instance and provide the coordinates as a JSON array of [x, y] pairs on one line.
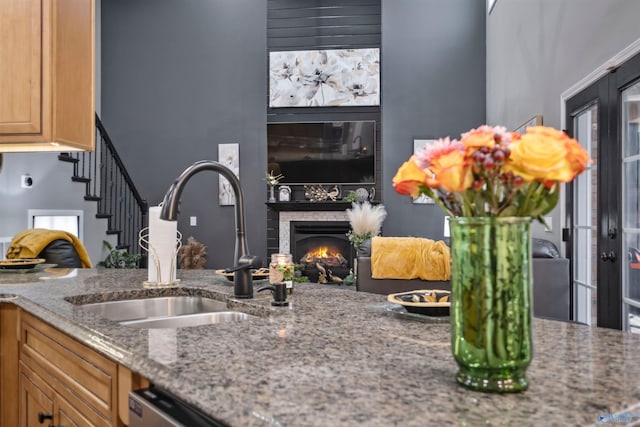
[[41, 405], [9, 355], [47, 52], [70, 381]]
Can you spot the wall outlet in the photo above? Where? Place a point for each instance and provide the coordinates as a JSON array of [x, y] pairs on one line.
[[26, 181], [193, 221]]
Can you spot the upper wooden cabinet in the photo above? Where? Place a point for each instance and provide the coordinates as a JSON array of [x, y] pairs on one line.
[[47, 95]]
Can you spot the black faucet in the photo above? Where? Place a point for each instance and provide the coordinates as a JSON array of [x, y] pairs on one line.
[[243, 284]]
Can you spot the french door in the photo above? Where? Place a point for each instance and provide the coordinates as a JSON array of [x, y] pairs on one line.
[[603, 204]]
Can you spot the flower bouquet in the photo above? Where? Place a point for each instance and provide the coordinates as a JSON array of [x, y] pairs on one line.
[[493, 182], [490, 172], [366, 222]]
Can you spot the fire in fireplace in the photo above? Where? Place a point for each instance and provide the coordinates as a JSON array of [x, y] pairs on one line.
[[326, 256], [327, 264], [322, 249]]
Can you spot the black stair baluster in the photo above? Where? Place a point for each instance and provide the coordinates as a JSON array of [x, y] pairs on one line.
[[108, 183]]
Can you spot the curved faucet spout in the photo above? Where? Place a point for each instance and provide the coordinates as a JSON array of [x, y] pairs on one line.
[[170, 207]]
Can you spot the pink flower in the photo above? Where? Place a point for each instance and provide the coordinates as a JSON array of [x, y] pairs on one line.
[[442, 146]]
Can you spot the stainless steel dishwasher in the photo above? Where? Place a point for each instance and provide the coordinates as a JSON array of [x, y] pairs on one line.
[[153, 407]]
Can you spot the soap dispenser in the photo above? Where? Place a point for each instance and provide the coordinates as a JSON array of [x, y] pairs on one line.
[[279, 291]]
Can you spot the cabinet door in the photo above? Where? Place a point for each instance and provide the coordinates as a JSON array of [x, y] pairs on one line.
[[47, 75], [73, 63], [21, 73], [36, 400], [68, 416]]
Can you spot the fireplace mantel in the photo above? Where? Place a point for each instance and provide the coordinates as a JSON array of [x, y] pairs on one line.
[[309, 206]]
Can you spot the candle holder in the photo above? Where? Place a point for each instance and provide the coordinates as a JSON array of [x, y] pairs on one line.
[[143, 242], [282, 270]]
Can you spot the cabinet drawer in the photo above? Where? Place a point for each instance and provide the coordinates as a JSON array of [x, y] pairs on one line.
[[76, 372]]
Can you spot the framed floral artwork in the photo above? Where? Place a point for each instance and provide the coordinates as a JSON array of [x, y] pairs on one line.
[[229, 156], [324, 78]]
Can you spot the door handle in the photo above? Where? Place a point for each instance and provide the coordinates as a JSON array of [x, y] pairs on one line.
[[44, 416], [608, 256], [612, 233]]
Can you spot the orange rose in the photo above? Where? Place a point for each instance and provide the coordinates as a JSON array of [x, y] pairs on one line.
[[577, 157], [452, 172], [483, 136], [409, 178], [546, 154], [546, 132]]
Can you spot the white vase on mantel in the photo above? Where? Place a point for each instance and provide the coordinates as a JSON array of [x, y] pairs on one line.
[[272, 196]]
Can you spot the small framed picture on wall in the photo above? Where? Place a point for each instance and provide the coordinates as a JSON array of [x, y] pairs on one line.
[[418, 145]]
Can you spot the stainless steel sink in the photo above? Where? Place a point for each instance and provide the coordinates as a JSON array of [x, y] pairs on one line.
[[144, 308], [166, 312], [188, 320]]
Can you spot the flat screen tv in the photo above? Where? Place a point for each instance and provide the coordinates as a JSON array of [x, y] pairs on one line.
[[322, 152]]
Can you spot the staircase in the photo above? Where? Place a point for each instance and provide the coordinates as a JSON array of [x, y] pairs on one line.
[[108, 183]]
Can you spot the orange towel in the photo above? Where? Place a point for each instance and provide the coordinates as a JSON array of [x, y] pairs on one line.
[[410, 258], [29, 243]]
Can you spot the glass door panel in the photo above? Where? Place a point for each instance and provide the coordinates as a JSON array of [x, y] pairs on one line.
[[631, 207], [585, 200], [603, 207]]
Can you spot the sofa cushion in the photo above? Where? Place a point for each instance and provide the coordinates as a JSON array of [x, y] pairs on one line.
[[541, 248], [61, 253], [365, 249]]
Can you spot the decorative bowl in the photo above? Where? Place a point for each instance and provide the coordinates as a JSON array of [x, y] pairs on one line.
[[430, 302], [259, 274], [14, 264]]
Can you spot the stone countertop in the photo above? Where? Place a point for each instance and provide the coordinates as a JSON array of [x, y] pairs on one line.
[[334, 357]]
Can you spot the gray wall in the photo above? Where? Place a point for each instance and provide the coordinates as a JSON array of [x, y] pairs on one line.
[[179, 78], [532, 61], [433, 85]]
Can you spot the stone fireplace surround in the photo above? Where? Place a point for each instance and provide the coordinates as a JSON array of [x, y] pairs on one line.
[[286, 217]]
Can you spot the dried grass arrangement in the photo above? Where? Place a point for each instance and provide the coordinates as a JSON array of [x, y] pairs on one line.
[[193, 255]]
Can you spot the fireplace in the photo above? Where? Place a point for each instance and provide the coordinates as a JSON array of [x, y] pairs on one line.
[[322, 249]]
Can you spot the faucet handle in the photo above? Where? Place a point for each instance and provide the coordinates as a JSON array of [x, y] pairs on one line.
[[245, 262], [243, 280]]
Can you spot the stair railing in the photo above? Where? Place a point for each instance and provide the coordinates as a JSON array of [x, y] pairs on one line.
[[108, 183]]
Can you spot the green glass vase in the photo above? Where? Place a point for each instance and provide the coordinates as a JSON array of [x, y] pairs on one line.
[[491, 302]]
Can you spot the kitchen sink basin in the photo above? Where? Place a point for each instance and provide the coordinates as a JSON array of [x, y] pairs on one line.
[[166, 312], [188, 320], [135, 309]]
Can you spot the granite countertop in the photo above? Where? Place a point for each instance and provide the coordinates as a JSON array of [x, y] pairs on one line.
[[334, 357]]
